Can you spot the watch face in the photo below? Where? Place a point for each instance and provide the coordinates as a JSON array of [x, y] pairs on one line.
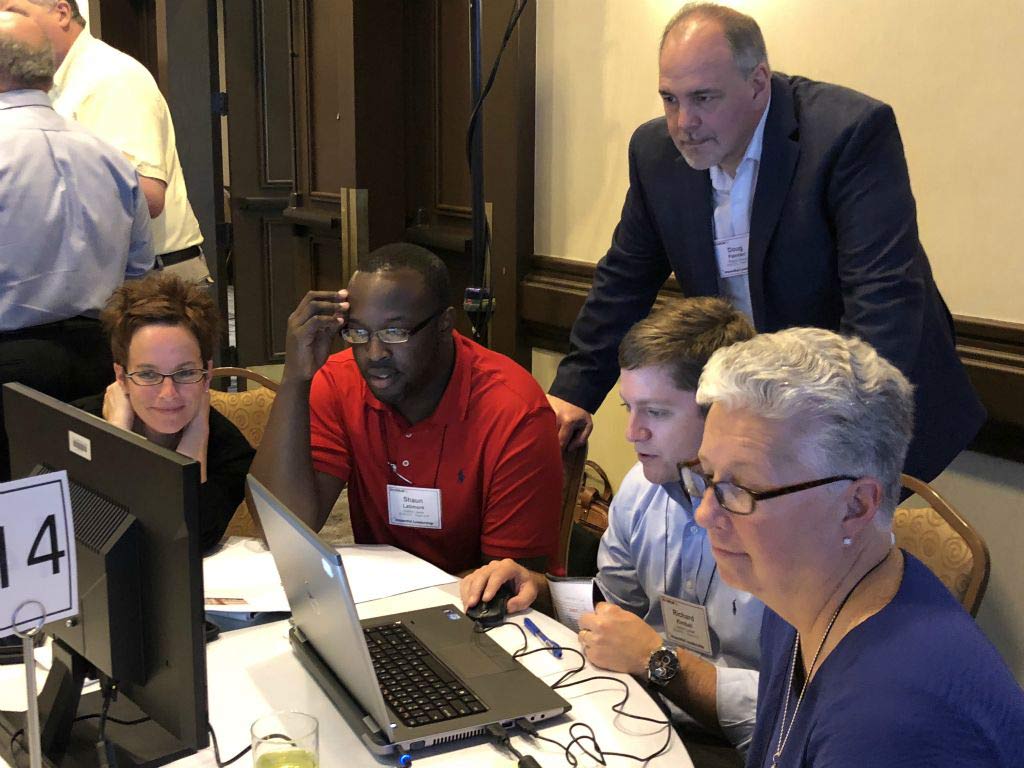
[[662, 665]]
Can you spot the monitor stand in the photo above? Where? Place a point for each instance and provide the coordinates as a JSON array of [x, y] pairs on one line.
[[68, 734]]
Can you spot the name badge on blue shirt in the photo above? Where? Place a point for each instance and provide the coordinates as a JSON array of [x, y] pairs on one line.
[[686, 624]]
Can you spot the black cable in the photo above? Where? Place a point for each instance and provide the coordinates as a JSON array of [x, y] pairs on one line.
[[110, 719], [109, 694], [480, 629], [216, 749], [14, 740], [501, 738], [619, 709], [480, 316], [517, 11], [577, 740]]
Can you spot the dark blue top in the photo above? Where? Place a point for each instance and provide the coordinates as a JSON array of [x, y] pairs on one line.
[[917, 684]]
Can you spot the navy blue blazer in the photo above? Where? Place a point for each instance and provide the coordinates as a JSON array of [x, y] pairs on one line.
[[833, 244]]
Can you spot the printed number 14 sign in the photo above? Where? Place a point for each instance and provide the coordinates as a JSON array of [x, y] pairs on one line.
[[37, 552]]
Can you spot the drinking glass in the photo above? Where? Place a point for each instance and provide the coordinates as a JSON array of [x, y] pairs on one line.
[[286, 740]]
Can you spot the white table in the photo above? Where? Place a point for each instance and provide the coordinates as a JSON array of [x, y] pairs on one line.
[[253, 671]]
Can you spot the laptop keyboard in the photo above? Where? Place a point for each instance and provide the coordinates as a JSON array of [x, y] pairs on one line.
[[416, 686]]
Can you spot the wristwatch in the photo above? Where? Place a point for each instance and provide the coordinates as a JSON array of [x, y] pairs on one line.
[[662, 666]]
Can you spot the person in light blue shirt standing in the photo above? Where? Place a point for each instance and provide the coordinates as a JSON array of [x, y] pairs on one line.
[[668, 618], [73, 226]]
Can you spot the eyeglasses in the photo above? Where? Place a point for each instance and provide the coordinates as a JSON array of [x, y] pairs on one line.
[[690, 487], [386, 335], [149, 378], [735, 498]]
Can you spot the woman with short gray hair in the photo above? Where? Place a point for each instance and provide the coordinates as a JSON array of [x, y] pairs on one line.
[[867, 659]]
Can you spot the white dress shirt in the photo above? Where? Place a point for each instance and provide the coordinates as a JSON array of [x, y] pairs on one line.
[[733, 200]]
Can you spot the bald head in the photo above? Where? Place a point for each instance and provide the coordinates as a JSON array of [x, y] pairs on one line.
[[739, 31], [26, 58]]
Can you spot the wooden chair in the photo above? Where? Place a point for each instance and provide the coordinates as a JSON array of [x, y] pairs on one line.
[[944, 541], [247, 409], [574, 462]]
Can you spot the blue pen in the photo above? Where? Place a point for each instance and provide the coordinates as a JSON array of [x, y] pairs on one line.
[[556, 649]]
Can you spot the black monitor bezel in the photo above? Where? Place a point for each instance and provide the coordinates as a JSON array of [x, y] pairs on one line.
[[174, 694]]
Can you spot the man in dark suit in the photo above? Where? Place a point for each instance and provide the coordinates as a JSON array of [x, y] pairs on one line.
[[792, 198]]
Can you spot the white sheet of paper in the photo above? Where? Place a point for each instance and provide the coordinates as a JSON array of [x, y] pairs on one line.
[[242, 578], [572, 598], [379, 570]]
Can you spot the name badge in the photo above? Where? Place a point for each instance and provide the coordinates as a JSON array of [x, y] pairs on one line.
[[686, 624], [731, 255], [414, 507]]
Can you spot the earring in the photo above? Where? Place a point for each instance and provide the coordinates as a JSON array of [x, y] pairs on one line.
[[847, 541]]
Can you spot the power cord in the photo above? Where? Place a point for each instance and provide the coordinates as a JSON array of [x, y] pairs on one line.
[[581, 733], [216, 749], [104, 749], [501, 738], [18, 734]]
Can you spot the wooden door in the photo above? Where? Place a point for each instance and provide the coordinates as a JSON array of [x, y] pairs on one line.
[[347, 123], [269, 277]]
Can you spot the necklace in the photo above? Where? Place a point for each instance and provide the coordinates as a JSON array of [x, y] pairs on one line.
[[783, 730]]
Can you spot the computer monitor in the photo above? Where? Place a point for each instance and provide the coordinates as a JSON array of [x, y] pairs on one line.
[[140, 623]]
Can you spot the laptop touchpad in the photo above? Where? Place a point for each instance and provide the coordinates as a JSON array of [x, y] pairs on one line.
[[470, 660]]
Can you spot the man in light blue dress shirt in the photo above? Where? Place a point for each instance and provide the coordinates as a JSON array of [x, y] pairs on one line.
[[653, 555], [73, 226]]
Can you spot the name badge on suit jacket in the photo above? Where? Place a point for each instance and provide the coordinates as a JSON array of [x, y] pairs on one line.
[[413, 507], [731, 255]]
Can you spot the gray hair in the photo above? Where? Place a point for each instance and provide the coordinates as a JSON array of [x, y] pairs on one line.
[[24, 66], [861, 404], [76, 15], [741, 31]]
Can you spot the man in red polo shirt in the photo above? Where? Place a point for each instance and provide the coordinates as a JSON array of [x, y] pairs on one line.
[[449, 450]]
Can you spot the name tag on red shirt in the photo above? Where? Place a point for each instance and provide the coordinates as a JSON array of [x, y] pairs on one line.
[[413, 507]]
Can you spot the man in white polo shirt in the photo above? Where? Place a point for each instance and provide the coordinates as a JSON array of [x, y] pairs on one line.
[[115, 97]]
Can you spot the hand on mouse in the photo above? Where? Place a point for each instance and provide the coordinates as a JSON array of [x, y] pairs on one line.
[[484, 583]]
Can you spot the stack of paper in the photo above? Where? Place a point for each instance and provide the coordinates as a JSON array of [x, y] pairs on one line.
[[241, 577]]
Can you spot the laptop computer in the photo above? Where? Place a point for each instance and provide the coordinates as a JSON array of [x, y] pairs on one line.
[[405, 681]]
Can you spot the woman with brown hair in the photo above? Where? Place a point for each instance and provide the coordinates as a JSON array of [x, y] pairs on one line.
[[162, 331]]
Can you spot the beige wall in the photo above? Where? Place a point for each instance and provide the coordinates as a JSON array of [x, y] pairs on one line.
[[952, 79], [608, 446], [951, 76]]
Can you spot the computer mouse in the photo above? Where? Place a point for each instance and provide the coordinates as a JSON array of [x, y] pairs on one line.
[[489, 613]]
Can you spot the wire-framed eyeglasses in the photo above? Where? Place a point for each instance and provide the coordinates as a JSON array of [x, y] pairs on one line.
[[150, 378], [735, 498], [386, 335]]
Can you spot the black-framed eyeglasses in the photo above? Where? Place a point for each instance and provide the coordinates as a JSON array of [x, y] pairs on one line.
[[691, 489], [735, 498], [386, 335], [150, 378]]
